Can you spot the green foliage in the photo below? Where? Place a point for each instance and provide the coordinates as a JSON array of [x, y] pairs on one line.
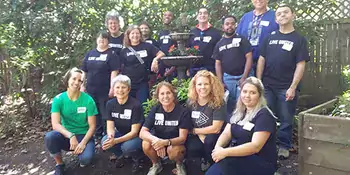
[[342, 108], [182, 91]]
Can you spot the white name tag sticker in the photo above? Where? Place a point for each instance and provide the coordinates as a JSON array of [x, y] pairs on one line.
[[103, 57], [149, 41], [287, 47], [165, 41], [248, 126], [207, 39], [159, 116], [127, 112], [197, 39], [142, 53], [265, 23], [236, 40], [81, 110], [254, 42], [195, 114]]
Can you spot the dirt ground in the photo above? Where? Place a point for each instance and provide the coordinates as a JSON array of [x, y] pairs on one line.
[[31, 158]]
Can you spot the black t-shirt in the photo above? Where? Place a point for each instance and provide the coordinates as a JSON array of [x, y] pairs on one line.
[[116, 44], [282, 52], [164, 42], [99, 66], [152, 41], [136, 71], [203, 116], [231, 52], [206, 40], [263, 121], [166, 125], [125, 115]]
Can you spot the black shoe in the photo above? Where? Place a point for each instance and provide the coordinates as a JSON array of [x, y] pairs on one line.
[[59, 170], [119, 162], [136, 167]]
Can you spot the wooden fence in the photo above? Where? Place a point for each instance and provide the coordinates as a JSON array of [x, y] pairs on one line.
[[328, 56]]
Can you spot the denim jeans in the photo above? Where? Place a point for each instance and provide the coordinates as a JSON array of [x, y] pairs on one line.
[[141, 92], [100, 101], [195, 148], [131, 147], [55, 142], [284, 111], [232, 85], [247, 165]]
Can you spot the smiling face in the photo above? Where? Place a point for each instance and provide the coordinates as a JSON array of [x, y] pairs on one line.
[[284, 16], [250, 95], [229, 26], [144, 30], [165, 96], [102, 42], [203, 87], [203, 15], [74, 82], [113, 26], [121, 90], [260, 4], [135, 36], [167, 17]]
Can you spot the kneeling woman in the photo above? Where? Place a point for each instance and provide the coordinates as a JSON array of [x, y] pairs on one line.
[[208, 113], [124, 120], [250, 136], [73, 122], [169, 122]]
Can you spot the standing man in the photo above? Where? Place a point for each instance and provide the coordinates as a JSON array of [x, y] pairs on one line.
[[256, 25], [281, 66], [116, 37], [165, 42], [205, 37], [233, 55]]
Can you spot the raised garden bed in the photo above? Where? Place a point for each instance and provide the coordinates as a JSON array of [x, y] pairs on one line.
[[324, 142]]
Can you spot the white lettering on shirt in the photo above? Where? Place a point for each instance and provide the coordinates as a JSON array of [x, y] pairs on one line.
[[287, 45], [115, 115], [115, 45], [171, 123]]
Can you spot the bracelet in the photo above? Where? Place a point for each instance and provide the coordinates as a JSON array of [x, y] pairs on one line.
[[72, 135]]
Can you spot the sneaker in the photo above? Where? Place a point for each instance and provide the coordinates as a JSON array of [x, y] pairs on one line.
[[205, 165], [180, 169], [136, 167], [283, 153], [155, 169], [82, 165], [59, 170]]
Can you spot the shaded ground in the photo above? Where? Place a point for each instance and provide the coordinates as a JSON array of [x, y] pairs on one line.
[[35, 160]]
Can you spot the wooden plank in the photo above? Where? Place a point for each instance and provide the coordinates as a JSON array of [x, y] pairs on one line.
[[319, 109], [316, 170], [326, 154], [324, 128]]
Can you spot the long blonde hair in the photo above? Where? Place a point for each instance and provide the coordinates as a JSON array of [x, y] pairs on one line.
[[215, 98], [240, 111]]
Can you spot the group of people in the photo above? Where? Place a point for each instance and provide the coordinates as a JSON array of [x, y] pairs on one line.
[[260, 63]]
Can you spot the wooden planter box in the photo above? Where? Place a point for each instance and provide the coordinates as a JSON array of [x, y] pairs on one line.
[[324, 142]]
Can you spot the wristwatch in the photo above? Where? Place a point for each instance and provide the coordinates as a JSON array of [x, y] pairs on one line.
[[169, 142]]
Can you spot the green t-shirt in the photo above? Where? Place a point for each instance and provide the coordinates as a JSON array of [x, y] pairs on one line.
[[74, 114]]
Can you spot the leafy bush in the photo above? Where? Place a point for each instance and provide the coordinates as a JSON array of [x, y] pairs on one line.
[[342, 108]]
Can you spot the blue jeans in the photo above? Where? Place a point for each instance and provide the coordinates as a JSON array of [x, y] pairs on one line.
[[141, 92], [100, 101], [232, 85], [248, 165], [55, 142], [131, 147], [195, 148], [285, 111]]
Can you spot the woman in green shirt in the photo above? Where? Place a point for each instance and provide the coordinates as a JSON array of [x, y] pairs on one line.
[[73, 122]]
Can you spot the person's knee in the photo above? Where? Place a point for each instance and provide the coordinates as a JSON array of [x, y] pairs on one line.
[[146, 146], [51, 139], [86, 158], [176, 152], [104, 138]]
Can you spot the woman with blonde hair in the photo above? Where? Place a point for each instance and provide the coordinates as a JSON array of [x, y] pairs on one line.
[[208, 114], [248, 143], [137, 57], [165, 130]]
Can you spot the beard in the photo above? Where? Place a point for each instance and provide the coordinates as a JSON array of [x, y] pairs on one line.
[[229, 33]]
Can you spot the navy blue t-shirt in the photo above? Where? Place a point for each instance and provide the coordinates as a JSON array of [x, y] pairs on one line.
[[282, 52], [232, 54], [256, 28], [263, 121], [98, 66], [166, 125], [164, 42], [136, 71], [116, 44], [152, 41], [206, 40], [124, 115]]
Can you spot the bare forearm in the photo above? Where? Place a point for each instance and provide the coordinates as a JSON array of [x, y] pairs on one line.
[[147, 136], [178, 140], [208, 130], [298, 74], [246, 149], [59, 128], [130, 135], [248, 64], [260, 67], [223, 140], [218, 70], [88, 134]]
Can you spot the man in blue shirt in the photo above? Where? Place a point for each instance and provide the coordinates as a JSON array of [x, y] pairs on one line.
[[256, 25], [281, 66]]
